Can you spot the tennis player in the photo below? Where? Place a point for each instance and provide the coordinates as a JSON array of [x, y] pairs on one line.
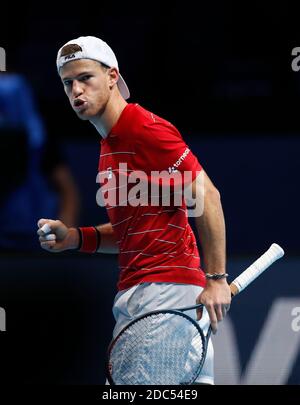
[[158, 255]]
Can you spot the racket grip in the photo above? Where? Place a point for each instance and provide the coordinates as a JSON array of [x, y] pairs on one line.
[[274, 253]]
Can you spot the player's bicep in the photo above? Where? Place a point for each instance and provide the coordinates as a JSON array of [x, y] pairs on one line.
[[194, 195], [202, 183], [203, 194]]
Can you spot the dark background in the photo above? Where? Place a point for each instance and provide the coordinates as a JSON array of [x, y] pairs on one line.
[[209, 66], [221, 72]]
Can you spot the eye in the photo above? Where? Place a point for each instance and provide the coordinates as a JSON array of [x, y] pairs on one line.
[[67, 82], [85, 78]]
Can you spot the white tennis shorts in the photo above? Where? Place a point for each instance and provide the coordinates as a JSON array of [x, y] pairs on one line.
[[145, 297]]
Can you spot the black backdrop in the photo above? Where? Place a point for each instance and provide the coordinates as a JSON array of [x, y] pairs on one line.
[[210, 66]]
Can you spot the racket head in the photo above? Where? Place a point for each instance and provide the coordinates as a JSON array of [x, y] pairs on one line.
[[163, 347]]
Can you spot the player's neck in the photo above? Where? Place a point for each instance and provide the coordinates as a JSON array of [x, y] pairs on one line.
[[110, 116]]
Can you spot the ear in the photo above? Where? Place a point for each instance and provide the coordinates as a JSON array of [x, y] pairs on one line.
[[113, 77]]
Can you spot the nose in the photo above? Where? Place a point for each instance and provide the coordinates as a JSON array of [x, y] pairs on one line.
[[77, 89]]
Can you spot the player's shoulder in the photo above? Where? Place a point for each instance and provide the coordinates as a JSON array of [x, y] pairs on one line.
[[149, 124]]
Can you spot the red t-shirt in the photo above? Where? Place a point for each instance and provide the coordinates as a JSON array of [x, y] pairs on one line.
[[156, 242]]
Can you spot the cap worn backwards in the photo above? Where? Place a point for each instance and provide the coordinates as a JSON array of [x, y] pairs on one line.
[[92, 48]]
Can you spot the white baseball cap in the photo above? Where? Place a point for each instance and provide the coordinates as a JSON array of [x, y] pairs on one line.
[[95, 49]]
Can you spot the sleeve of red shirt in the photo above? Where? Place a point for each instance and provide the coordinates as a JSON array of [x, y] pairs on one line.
[[161, 147]]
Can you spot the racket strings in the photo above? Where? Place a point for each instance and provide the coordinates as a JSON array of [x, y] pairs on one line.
[[161, 348]]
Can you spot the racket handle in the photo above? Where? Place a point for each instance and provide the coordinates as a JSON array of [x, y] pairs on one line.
[[274, 253]]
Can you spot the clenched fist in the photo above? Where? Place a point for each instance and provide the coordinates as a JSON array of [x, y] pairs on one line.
[[54, 236]]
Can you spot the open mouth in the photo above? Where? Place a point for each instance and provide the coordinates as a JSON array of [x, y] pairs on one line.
[[78, 103]]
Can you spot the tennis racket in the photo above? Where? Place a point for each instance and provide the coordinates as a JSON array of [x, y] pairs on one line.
[[168, 347]]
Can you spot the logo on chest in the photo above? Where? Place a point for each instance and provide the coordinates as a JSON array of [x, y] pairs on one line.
[[109, 172]]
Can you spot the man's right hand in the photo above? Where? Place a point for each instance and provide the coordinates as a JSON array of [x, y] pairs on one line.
[[57, 237]]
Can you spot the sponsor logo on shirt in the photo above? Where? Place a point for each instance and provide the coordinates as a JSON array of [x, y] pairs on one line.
[[109, 173], [173, 168]]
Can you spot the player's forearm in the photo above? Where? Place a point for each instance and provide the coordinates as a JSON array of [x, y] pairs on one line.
[[108, 239], [212, 235]]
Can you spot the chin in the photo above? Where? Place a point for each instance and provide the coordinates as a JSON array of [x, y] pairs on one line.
[[84, 115]]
